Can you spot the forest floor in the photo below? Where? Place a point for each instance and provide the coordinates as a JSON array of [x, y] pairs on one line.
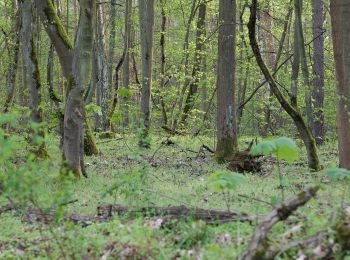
[[166, 175]]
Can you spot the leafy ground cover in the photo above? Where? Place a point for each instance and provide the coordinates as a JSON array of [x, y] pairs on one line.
[[166, 175]]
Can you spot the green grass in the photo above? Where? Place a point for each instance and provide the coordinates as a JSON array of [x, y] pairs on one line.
[[174, 177]]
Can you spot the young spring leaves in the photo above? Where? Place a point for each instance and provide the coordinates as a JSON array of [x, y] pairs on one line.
[[224, 180], [283, 148]]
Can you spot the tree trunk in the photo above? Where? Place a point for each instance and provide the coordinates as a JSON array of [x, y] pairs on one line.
[[146, 35], [318, 71], [226, 112], [76, 66], [101, 71], [340, 12], [198, 61], [291, 109], [32, 68], [14, 54], [112, 17], [163, 62], [298, 4], [126, 62]]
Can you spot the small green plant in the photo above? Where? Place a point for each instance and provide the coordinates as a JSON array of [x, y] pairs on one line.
[[283, 148], [340, 175], [225, 182]]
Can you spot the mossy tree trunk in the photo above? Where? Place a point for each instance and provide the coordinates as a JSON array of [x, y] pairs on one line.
[[291, 109], [226, 112], [14, 55], [76, 64], [32, 69]]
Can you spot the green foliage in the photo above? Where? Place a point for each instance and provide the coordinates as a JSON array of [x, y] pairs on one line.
[[283, 148], [93, 108], [124, 92], [338, 174], [225, 180]]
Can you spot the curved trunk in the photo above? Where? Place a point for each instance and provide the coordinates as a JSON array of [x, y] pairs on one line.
[[304, 131]]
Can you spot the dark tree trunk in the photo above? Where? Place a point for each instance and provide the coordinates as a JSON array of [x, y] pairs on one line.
[[226, 111], [340, 13], [318, 71]]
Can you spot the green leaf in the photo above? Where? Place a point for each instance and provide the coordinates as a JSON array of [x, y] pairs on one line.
[[264, 148], [286, 149], [225, 180]]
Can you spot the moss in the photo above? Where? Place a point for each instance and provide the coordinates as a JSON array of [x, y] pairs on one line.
[[225, 149], [90, 146], [53, 19]]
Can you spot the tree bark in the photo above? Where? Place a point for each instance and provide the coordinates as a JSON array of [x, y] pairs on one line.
[[14, 55], [163, 62], [126, 61], [340, 12], [76, 65], [291, 109], [146, 35], [32, 68], [318, 70], [226, 112], [101, 71]]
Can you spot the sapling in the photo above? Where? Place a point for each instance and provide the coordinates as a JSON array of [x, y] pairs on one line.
[[224, 182], [282, 148]]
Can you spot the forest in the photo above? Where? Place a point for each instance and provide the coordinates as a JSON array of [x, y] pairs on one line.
[[175, 129]]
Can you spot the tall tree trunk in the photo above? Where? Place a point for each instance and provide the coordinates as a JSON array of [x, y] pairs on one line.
[[146, 35], [14, 55], [291, 109], [101, 71], [298, 4], [76, 66], [226, 112], [111, 45], [198, 61], [318, 70], [32, 68], [50, 79], [268, 42], [126, 62], [163, 62], [340, 13]]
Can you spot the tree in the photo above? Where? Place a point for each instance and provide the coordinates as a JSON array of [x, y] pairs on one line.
[[126, 61], [13, 50], [76, 65], [226, 115], [146, 10], [31, 66], [290, 107], [101, 71], [340, 13], [318, 70]]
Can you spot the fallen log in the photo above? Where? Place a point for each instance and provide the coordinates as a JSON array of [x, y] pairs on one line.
[[259, 247], [177, 212]]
